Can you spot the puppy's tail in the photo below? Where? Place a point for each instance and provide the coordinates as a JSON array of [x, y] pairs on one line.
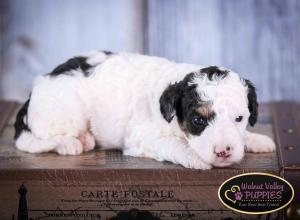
[[24, 138]]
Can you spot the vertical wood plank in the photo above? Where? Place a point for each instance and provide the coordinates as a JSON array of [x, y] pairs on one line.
[[185, 31], [258, 39], [261, 39], [39, 35]]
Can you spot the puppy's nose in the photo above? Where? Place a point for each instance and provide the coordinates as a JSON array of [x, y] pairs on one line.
[[223, 153]]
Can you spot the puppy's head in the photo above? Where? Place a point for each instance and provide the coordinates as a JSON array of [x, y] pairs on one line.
[[212, 107]]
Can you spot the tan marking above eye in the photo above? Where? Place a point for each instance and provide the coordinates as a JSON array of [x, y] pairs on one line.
[[204, 110]]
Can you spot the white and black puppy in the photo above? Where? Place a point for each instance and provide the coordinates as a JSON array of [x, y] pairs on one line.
[[146, 106]]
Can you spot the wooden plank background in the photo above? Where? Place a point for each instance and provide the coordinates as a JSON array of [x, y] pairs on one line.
[[260, 39]]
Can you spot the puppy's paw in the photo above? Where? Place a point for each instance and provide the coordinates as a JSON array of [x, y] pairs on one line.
[[257, 143], [69, 146], [191, 160]]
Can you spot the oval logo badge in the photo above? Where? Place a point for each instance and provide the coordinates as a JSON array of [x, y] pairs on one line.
[[256, 193]]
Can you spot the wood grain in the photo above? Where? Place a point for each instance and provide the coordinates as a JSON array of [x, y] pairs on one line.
[[37, 36], [258, 39], [6, 109]]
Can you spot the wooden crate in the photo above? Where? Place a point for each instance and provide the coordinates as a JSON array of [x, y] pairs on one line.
[[105, 184]]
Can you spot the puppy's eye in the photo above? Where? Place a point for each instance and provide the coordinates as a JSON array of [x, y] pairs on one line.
[[198, 121], [239, 119]]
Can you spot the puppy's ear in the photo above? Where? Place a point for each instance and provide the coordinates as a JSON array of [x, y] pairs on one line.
[[169, 100], [252, 102]]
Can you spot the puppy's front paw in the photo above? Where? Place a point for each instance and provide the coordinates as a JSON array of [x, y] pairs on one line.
[[69, 146], [257, 143], [191, 160]]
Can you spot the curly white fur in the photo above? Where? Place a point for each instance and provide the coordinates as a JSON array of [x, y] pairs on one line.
[[117, 106]]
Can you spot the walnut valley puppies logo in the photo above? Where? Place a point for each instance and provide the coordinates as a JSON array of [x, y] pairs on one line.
[[256, 193]]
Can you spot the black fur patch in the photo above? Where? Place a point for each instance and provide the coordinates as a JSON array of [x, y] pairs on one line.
[[171, 96], [186, 111], [107, 52], [72, 64], [252, 102], [182, 99], [214, 72], [197, 129], [20, 125]]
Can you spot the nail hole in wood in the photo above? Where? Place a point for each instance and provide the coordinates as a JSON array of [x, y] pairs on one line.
[[290, 147], [289, 131]]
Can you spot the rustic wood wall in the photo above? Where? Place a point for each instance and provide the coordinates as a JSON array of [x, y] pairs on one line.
[[38, 35], [260, 39]]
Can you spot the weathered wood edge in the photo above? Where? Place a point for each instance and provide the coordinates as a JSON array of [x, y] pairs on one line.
[[287, 135], [6, 109]]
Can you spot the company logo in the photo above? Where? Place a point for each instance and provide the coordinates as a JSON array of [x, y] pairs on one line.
[[256, 193]]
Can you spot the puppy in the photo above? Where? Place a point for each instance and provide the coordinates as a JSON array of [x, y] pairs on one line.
[[146, 106]]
